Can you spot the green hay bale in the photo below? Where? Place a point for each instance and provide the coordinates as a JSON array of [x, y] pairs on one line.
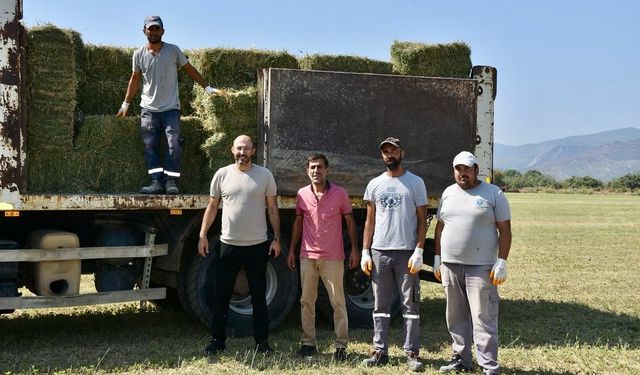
[[343, 63], [225, 67], [217, 148], [108, 70], [52, 87], [431, 60], [233, 114], [109, 156]]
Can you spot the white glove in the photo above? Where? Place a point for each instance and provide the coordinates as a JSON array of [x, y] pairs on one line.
[[499, 272], [123, 109], [366, 263], [436, 267], [415, 262], [210, 90]]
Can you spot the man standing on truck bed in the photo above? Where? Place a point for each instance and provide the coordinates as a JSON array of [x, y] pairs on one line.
[[320, 208], [157, 64], [395, 232], [244, 189], [473, 238]]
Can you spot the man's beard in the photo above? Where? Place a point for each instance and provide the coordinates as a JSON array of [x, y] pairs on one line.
[[393, 164]]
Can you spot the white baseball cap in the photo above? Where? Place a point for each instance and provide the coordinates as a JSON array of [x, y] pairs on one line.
[[465, 158]]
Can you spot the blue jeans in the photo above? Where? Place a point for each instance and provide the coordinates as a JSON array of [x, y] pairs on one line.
[[152, 127], [229, 259]]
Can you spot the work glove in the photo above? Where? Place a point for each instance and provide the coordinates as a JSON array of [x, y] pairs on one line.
[[211, 91], [498, 273], [366, 263], [436, 267], [122, 112], [415, 262]]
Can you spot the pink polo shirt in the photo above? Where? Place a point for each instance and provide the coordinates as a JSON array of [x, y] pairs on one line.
[[322, 222]]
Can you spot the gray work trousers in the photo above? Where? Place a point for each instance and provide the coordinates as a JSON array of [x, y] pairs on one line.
[[390, 274], [472, 313]]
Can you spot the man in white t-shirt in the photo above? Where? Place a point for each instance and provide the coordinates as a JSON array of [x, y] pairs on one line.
[[473, 238], [156, 64], [245, 191], [393, 242]]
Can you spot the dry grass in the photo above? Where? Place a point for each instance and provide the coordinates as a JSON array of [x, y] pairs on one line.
[[570, 306]]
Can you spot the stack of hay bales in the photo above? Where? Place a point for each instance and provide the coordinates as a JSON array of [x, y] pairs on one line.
[[104, 154], [109, 156], [344, 63], [431, 60], [225, 117], [52, 88]]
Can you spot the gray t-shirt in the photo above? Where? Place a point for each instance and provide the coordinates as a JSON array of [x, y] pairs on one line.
[[396, 200], [159, 76], [243, 197], [470, 233]]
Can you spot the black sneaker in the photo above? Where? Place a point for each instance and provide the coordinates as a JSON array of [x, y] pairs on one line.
[[377, 358], [307, 351], [340, 355], [264, 348], [414, 363], [455, 365], [212, 349]]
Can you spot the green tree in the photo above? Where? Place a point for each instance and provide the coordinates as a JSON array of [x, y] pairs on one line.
[[582, 182], [629, 182]]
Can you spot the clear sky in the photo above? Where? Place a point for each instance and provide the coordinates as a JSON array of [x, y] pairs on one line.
[[564, 67]]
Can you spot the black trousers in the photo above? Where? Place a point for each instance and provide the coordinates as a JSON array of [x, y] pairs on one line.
[[228, 262]]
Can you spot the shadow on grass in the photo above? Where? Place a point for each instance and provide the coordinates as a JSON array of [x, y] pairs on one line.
[[126, 338], [545, 323]]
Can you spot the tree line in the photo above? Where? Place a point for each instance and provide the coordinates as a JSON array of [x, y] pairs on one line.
[[512, 180]]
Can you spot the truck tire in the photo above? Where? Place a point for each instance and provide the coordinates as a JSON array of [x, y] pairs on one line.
[[358, 295], [196, 291]]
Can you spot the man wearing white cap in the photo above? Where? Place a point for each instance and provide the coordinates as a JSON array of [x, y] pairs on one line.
[[473, 238], [392, 243], [156, 64]]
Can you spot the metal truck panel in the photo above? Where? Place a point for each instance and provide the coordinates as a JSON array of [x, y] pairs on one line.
[[12, 116], [346, 115]]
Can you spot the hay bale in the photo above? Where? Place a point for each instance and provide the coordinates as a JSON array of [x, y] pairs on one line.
[[236, 68], [52, 87], [431, 60], [343, 63], [217, 148], [107, 70], [233, 114], [109, 156]]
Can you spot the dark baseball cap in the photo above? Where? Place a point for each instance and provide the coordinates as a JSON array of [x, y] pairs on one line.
[[391, 141], [153, 20]]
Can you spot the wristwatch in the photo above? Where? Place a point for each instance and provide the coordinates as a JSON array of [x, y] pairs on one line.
[[276, 238]]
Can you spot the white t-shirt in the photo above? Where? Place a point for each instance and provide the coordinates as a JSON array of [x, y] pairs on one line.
[[243, 196], [159, 76], [396, 200], [470, 233]]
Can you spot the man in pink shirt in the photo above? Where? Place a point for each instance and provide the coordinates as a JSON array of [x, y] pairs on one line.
[[320, 208]]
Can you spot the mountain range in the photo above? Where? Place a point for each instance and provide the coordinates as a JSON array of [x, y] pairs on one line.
[[605, 156]]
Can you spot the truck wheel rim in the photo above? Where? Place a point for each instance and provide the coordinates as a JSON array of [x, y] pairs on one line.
[[241, 304], [358, 289]]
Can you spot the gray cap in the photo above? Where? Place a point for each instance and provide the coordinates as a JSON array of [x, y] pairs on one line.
[[153, 21]]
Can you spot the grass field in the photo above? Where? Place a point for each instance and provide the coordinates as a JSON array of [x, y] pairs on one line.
[[570, 306]]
